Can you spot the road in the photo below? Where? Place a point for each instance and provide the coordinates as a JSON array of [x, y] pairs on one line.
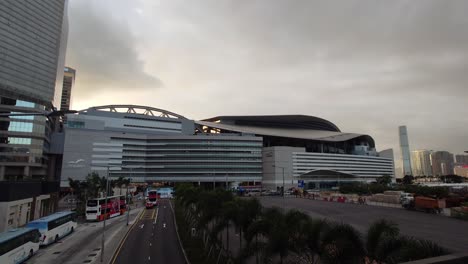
[[153, 239], [448, 232], [85, 243]]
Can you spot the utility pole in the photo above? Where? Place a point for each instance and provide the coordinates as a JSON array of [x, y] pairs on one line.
[[226, 181], [282, 168], [105, 217], [128, 202]]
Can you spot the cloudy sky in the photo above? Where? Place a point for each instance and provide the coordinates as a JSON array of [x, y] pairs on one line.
[[367, 66]]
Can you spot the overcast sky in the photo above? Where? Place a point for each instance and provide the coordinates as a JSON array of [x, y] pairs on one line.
[[367, 66]]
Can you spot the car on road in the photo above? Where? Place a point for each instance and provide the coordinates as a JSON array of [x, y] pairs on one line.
[[253, 193]]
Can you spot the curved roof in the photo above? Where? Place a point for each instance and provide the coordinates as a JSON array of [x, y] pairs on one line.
[[327, 174], [279, 121], [310, 134], [134, 109]]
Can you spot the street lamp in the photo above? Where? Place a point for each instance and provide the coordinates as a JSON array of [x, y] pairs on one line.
[[282, 168], [128, 201], [104, 224]]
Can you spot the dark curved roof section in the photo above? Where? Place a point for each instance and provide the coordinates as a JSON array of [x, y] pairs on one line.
[[278, 121], [134, 109]]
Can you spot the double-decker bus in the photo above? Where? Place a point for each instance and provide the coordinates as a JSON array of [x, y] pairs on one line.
[[151, 199], [18, 245], [54, 226], [98, 210]]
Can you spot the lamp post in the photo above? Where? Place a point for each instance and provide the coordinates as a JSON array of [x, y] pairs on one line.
[[282, 168], [128, 201], [106, 211]]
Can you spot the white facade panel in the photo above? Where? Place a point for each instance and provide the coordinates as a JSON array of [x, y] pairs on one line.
[[362, 166]]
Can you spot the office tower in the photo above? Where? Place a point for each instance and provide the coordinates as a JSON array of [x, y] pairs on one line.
[[405, 152], [421, 163], [68, 84], [31, 47], [461, 159], [442, 163]]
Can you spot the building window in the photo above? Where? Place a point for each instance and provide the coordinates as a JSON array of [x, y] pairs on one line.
[[76, 124]]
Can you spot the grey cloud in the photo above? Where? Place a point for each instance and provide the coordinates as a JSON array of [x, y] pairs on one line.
[[367, 66], [104, 52]]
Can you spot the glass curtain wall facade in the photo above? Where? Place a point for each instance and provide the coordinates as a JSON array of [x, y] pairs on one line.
[[23, 140], [405, 150]]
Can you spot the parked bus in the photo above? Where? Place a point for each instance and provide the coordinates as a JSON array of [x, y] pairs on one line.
[[98, 210], [18, 245], [54, 226], [152, 199]]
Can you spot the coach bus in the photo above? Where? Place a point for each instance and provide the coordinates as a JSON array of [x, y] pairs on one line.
[[54, 226], [18, 245], [98, 210]]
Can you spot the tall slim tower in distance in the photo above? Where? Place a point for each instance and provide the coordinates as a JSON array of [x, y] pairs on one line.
[[68, 83], [405, 152]]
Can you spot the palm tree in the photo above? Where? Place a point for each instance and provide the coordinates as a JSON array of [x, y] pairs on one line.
[[342, 244], [382, 241], [414, 249], [273, 230], [249, 211], [385, 245]]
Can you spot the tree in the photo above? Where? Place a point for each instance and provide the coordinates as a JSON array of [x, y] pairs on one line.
[[381, 241], [384, 180], [342, 244], [272, 226], [408, 179]]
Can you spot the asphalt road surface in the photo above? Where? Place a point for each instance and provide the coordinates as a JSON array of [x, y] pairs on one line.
[[153, 239], [448, 232], [85, 243]]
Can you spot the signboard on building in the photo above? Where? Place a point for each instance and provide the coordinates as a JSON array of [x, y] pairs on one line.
[[300, 183]]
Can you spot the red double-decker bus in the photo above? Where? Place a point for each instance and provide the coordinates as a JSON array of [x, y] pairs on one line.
[[97, 209], [152, 199]]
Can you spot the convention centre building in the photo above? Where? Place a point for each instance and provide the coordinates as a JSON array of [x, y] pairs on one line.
[[148, 144]]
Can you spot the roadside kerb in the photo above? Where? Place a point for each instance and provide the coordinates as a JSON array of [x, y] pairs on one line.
[[177, 232], [122, 241]]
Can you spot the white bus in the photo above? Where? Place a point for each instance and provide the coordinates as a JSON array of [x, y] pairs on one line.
[[54, 226], [18, 245]]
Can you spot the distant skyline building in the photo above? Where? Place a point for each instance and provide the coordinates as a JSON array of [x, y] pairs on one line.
[[67, 90], [405, 150], [442, 163], [461, 171], [461, 159], [421, 163]]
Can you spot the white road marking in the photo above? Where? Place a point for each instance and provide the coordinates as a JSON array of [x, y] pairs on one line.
[[164, 225], [150, 244], [149, 257], [156, 217], [142, 225]]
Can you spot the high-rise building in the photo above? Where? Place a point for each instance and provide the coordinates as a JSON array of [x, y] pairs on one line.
[[405, 151], [68, 84], [461, 159], [421, 163], [31, 47], [461, 171], [442, 163]]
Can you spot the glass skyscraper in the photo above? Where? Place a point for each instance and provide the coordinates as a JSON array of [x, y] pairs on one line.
[[405, 151]]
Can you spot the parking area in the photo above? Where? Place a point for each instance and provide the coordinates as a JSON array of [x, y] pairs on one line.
[[448, 232]]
